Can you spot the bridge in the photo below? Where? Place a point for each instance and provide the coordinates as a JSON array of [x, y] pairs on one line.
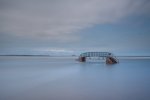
[[110, 59]]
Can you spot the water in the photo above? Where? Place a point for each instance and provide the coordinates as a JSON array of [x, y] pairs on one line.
[[53, 78]]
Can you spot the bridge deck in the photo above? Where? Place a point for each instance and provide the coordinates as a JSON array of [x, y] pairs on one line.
[[95, 54]]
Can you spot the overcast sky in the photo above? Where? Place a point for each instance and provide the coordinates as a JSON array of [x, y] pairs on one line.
[[74, 26]]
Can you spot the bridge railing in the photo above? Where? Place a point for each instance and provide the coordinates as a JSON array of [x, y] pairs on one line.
[[95, 54]]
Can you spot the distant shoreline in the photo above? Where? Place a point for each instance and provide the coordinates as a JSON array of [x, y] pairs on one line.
[[70, 56], [25, 55], [42, 55], [133, 57], [67, 55]]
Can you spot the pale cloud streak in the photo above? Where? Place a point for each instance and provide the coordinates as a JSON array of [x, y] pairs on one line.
[[59, 20]]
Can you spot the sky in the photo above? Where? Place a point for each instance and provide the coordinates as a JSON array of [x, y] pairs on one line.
[[74, 26]]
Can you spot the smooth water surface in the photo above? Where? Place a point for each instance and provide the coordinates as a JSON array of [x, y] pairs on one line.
[[60, 78]]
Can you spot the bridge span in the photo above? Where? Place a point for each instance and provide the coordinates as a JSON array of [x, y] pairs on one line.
[[109, 57]]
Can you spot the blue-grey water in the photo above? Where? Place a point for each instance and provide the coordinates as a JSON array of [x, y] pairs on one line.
[[60, 78]]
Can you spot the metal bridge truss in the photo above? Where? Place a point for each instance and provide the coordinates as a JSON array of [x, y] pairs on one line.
[[95, 54]]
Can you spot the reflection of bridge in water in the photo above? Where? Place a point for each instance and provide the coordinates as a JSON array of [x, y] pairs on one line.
[[110, 59]]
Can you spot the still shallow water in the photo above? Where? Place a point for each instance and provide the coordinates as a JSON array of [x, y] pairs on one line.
[[53, 78]]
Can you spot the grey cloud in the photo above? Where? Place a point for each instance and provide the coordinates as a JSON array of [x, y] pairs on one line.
[[59, 19]]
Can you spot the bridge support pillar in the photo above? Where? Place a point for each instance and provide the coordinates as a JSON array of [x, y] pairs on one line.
[[111, 60], [82, 59]]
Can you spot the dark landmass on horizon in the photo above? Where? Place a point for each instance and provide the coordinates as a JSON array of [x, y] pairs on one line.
[[44, 55], [68, 55]]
